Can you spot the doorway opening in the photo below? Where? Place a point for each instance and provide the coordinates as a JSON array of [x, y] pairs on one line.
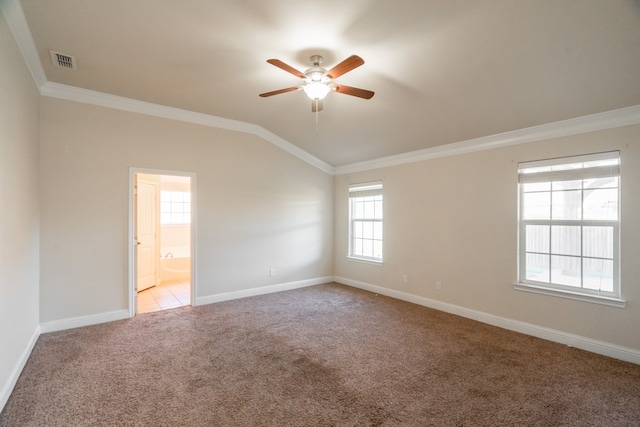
[[163, 251]]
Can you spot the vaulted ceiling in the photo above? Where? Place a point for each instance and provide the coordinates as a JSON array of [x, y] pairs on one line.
[[443, 71]]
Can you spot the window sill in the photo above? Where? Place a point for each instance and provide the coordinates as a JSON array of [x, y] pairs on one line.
[[365, 260], [597, 299]]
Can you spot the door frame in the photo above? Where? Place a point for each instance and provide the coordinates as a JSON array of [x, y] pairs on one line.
[[133, 268]]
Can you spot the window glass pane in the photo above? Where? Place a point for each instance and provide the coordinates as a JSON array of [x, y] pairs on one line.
[[177, 207], [537, 267], [367, 248], [536, 205], [597, 242], [568, 185], [358, 209], [378, 209], [566, 204], [357, 229], [598, 274], [367, 229], [601, 204], [377, 249], [173, 206], [562, 243], [377, 230], [565, 240], [536, 186], [357, 247], [537, 238], [565, 270], [369, 209]]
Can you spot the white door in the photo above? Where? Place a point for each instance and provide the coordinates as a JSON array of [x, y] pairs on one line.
[[146, 218]]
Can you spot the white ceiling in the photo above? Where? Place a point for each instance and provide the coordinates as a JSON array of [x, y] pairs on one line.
[[443, 70]]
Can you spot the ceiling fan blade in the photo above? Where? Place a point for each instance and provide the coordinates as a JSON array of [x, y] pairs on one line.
[[287, 68], [316, 105], [345, 66], [353, 91], [278, 92]]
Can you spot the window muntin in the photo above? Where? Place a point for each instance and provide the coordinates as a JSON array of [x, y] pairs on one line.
[[365, 221], [569, 224], [175, 207]]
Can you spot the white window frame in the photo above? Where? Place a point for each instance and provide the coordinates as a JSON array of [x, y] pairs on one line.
[[551, 170], [169, 209], [357, 194]]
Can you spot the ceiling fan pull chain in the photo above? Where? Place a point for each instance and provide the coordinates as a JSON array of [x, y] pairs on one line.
[[317, 110]]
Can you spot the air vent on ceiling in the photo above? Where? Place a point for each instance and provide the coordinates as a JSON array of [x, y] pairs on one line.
[[63, 60]]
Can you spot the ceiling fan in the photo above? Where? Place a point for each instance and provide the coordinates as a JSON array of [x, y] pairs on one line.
[[318, 82]]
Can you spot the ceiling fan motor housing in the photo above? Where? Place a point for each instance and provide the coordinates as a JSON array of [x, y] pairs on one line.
[[316, 73]]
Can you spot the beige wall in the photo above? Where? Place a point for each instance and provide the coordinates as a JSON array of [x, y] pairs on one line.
[[258, 207], [18, 209], [454, 220]]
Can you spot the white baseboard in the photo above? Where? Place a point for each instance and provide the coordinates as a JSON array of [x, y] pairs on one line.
[[588, 344], [76, 322], [7, 388], [227, 296]]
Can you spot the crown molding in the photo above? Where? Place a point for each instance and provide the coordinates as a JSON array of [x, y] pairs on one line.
[[590, 123], [17, 23], [20, 29], [86, 96], [594, 122], [92, 97]]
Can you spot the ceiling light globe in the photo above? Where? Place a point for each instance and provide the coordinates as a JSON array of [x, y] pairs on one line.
[[316, 90]]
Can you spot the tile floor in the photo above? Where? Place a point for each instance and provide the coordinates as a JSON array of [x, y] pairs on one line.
[[170, 294]]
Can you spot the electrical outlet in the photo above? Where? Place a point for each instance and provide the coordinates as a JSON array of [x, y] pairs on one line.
[[272, 272], [405, 279], [439, 285]]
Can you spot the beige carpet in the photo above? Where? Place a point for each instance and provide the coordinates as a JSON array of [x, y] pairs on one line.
[[327, 355]]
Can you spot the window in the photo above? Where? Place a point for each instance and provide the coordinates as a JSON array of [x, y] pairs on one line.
[[569, 225], [175, 207], [365, 221]]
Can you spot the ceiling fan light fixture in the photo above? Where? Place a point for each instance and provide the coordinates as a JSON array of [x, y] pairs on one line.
[[316, 90], [316, 76], [318, 82]]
